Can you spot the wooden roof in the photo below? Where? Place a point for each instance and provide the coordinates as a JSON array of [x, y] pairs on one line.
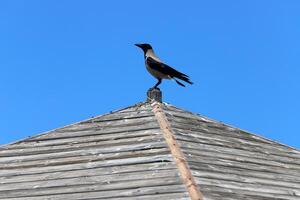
[[149, 151]]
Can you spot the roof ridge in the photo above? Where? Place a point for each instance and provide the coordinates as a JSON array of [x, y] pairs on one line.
[[181, 163]]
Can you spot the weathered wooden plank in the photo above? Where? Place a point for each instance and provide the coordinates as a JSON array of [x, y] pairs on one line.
[[90, 128], [232, 163], [94, 164], [244, 147], [243, 192], [223, 150], [214, 136], [135, 110], [132, 193], [166, 196], [79, 130], [130, 112], [178, 113], [120, 116], [282, 168], [91, 172], [113, 117], [243, 157], [246, 137], [90, 157], [263, 183], [204, 139], [192, 120], [204, 129], [107, 124], [216, 195], [263, 190], [81, 150], [107, 146], [34, 175], [97, 131], [242, 166], [139, 107], [92, 187], [84, 139], [243, 173], [235, 162], [87, 180]]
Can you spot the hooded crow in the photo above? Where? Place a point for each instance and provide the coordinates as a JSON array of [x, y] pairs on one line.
[[160, 70]]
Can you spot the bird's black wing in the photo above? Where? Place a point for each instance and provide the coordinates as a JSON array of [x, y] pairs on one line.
[[165, 69]]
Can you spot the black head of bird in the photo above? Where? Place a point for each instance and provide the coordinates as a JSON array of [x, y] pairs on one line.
[[145, 47]]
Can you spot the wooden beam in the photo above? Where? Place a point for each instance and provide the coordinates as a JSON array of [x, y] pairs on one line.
[[176, 152]]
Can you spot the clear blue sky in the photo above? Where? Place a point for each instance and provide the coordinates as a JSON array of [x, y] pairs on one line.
[[65, 61]]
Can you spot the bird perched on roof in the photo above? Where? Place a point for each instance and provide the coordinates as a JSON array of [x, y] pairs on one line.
[[160, 70]]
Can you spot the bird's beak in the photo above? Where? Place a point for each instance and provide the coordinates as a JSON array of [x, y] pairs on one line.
[[138, 45]]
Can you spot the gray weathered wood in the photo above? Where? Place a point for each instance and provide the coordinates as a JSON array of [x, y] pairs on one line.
[[229, 163], [122, 155]]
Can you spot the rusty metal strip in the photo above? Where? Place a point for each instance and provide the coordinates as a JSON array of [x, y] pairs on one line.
[[176, 152]]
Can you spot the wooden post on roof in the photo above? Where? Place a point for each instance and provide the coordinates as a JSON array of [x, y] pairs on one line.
[[154, 94]]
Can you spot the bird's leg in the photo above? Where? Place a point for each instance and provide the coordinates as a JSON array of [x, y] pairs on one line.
[[157, 84]]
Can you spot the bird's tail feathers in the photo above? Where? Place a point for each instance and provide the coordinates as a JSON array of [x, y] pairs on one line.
[[179, 83], [184, 75], [185, 78]]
